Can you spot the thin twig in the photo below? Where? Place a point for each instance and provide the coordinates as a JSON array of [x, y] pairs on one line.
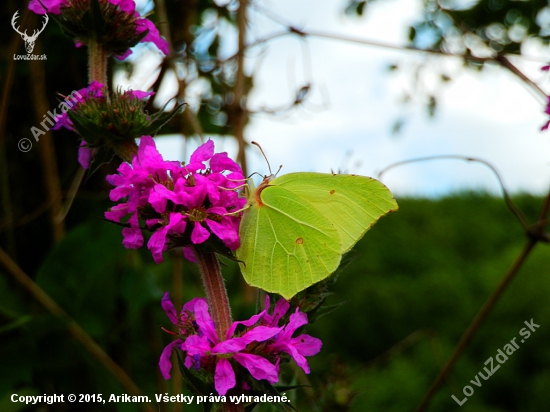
[[507, 64], [74, 328], [513, 208], [170, 62], [46, 147], [73, 190], [254, 44], [532, 240], [7, 84]]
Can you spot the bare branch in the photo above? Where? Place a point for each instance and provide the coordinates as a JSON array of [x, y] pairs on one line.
[[513, 208]]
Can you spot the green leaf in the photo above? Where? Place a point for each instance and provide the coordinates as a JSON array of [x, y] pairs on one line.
[[92, 133], [102, 155], [194, 384], [15, 324]]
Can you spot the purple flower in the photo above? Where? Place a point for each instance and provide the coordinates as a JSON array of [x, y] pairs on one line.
[[205, 350], [93, 91], [186, 327], [181, 205], [54, 6], [153, 36], [51, 6], [257, 348], [140, 24], [299, 347]]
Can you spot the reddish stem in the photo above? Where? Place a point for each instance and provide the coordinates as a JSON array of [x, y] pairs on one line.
[[216, 293]]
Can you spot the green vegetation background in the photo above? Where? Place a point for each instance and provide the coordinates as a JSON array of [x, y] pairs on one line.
[[414, 283]]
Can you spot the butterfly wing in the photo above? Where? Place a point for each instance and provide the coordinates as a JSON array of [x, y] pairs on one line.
[[286, 244], [352, 203]]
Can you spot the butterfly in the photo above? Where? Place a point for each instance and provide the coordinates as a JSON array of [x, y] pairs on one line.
[[297, 227]]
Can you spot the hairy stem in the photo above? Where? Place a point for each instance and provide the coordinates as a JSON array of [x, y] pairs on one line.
[[97, 62], [218, 302], [126, 150], [216, 293]]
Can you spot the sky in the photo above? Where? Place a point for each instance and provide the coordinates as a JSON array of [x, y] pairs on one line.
[[347, 120]]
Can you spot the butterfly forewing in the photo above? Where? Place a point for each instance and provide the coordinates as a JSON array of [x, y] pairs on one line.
[[352, 203]]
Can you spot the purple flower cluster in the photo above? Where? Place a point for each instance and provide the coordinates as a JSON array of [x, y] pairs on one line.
[[126, 6], [183, 205], [258, 348], [94, 92]]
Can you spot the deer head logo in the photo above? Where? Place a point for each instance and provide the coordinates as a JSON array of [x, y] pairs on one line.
[[29, 40]]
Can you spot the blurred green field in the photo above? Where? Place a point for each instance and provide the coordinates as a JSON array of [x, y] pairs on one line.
[[413, 285]]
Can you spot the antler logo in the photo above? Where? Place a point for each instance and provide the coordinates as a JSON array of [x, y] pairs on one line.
[[29, 40]]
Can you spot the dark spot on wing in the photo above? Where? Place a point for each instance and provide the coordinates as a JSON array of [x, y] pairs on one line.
[[332, 192], [299, 241]]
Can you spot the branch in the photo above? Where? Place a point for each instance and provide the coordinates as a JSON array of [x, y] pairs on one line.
[[476, 323], [535, 234], [47, 149], [513, 208], [504, 62]]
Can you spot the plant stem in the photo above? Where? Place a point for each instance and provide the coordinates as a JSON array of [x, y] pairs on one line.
[[126, 150], [216, 293], [47, 148], [97, 62]]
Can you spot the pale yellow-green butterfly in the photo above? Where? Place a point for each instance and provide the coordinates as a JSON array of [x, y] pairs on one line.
[[297, 226]]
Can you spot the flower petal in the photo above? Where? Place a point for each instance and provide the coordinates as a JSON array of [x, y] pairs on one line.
[[152, 36], [230, 346], [199, 234], [189, 254], [52, 6], [260, 334], [165, 364], [203, 153], [205, 322], [84, 155], [307, 345], [224, 378], [259, 368], [221, 162], [196, 345], [169, 308]]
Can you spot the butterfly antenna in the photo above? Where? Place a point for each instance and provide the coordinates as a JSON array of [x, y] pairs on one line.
[[265, 157]]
